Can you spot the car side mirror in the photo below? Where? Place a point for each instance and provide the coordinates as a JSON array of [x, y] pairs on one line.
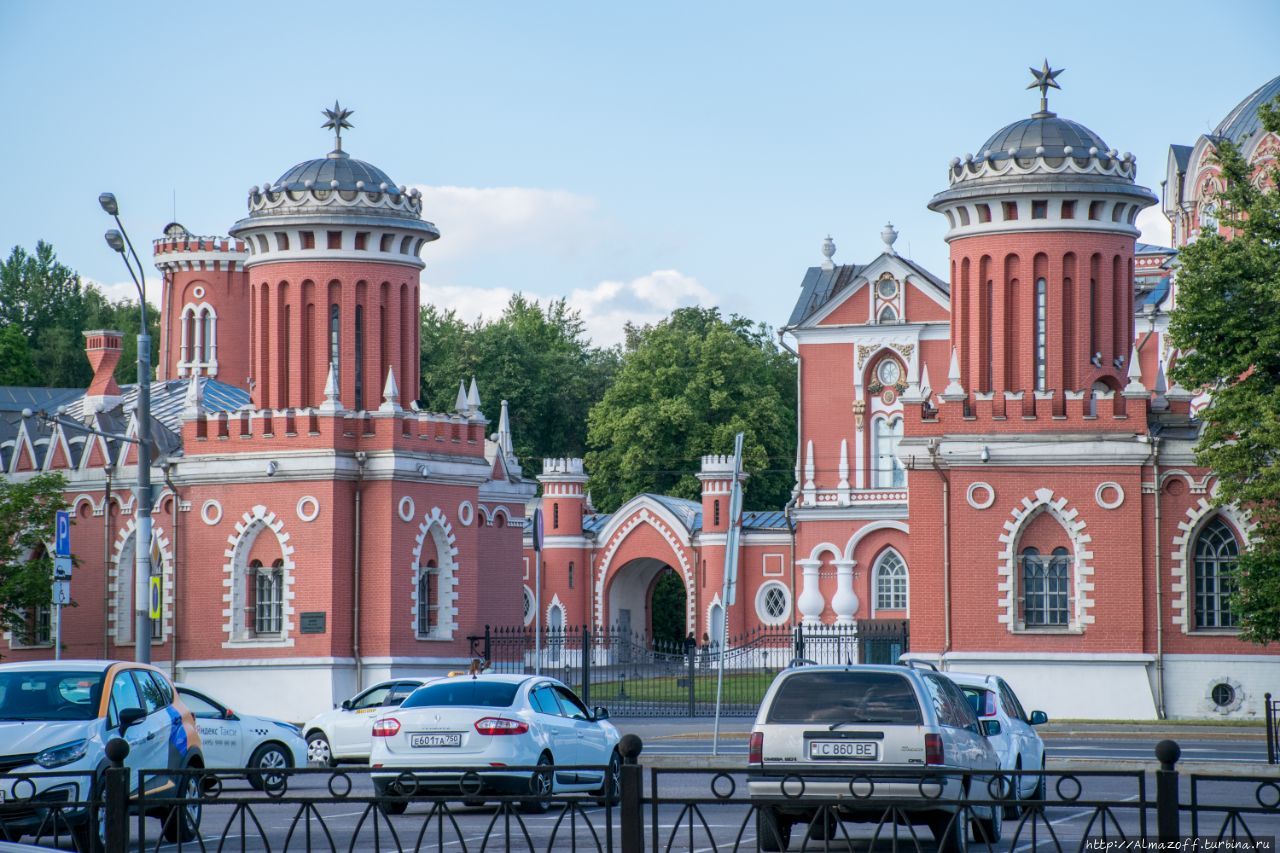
[[1039, 718], [131, 717], [990, 728], [346, 704], [600, 713]]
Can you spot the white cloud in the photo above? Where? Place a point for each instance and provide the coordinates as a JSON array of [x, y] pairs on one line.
[[1155, 227], [479, 219], [610, 305], [606, 308]]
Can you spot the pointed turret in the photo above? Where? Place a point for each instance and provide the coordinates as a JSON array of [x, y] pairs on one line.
[[954, 390], [391, 393], [193, 401], [473, 399], [504, 432], [460, 403], [331, 402], [1135, 388]]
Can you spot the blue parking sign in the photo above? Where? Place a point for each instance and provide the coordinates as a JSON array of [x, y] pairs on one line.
[[62, 536]]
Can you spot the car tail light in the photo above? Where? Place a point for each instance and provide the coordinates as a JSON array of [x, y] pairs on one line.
[[386, 728], [501, 726], [755, 748], [933, 751]]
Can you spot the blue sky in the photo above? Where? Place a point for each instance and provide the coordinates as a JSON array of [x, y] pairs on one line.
[[632, 157]]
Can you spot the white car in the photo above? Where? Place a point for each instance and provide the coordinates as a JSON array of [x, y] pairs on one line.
[[235, 740], [878, 723], [1018, 744], [56, 719], [343, 734], [482, 722]]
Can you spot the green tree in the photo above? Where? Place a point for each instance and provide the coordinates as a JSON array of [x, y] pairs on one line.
[[1227, 325], [16, 366], [685, 387], [537, 359], [27, 510], [51, 307]]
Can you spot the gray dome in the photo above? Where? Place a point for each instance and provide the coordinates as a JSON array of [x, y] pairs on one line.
[[1042, 130], [1243, 121], [339, 167]]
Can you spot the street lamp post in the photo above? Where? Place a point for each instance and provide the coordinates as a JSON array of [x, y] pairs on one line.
[[118, 240]]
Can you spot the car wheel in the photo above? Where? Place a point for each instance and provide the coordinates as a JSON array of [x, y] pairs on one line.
[[541, 784], [1012, 793], [1038, 794], [393, 807], [611, 790], [773, 830], [989, 830], [951, 830], [94, 825], [269, 756], [182, 823], [319, 753]]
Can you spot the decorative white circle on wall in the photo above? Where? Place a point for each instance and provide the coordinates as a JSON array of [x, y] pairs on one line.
[[308, 508], [1109, 495], [211, 513], [466, 513], [528, 605], [980, 495], [773, 603], [198, 292], [406, 508]]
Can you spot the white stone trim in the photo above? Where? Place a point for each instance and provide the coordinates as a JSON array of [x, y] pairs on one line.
[[1184, 553], [763, 614], [437, 525], [662, 523], [406, 509], [466, 513], [875, 581], [867, 529], [117, 622], [211, 512], [239, 544], [1214, 708], [1007, 569], [555, 604], [533, 609], [1103, 502], [980, 504], [313, 513]]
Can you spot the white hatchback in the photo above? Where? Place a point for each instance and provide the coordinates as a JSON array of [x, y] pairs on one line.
[[343, 734], [486, 723], [234, 740]]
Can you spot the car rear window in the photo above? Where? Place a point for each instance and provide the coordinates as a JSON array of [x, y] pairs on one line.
[[845, 697], [478, 694]]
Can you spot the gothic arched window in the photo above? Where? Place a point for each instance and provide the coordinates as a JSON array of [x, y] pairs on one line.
[[268, 598], [890, 582], [1216, 554], [335, 340], [428, 599], [1042, 334], [1045, 585], [887, 315]]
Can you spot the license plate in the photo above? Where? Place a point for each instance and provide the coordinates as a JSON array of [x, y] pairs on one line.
[[428, 741], [853, 750]]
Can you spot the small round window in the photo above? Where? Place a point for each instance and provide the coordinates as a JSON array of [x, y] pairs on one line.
[[528, 605], [887, 288], [773, 604], [888, 372], [1223, 695]]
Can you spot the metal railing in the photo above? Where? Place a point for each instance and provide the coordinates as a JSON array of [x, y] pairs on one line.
[[633, 675], [1272, 709], [640, 810]]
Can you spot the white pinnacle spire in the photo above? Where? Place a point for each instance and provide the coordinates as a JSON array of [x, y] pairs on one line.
[[1135, 386], [193, 402], [1160, 402], [391, 393], [331, 402], [460, 404], [926, 388], [473, 399], [808, 467], [954, 389], [504, 432]]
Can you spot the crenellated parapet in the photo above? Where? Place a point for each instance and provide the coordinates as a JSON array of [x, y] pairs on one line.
[[182, 251], [1041, 411]]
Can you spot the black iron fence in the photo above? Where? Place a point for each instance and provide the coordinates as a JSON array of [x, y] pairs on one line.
[[633, 675], [639, 809], [1272, 709]]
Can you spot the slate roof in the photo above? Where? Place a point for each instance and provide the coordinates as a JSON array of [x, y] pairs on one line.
[[1042, 130], [15, 398], [1244, 121], [1181, 156], [771, 519], [819, 287], [323, 170]]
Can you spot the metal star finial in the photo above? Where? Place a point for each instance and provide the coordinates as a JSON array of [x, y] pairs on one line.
[[1045, 79], [337, 122]]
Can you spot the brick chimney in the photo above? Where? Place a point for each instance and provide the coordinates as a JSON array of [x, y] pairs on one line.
[[102, 346]]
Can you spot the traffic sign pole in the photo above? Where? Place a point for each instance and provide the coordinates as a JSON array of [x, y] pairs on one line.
[[537, 592], [61, 591]]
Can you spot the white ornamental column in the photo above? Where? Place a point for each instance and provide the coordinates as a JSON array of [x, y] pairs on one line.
[[810, 601], [845, 601]]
